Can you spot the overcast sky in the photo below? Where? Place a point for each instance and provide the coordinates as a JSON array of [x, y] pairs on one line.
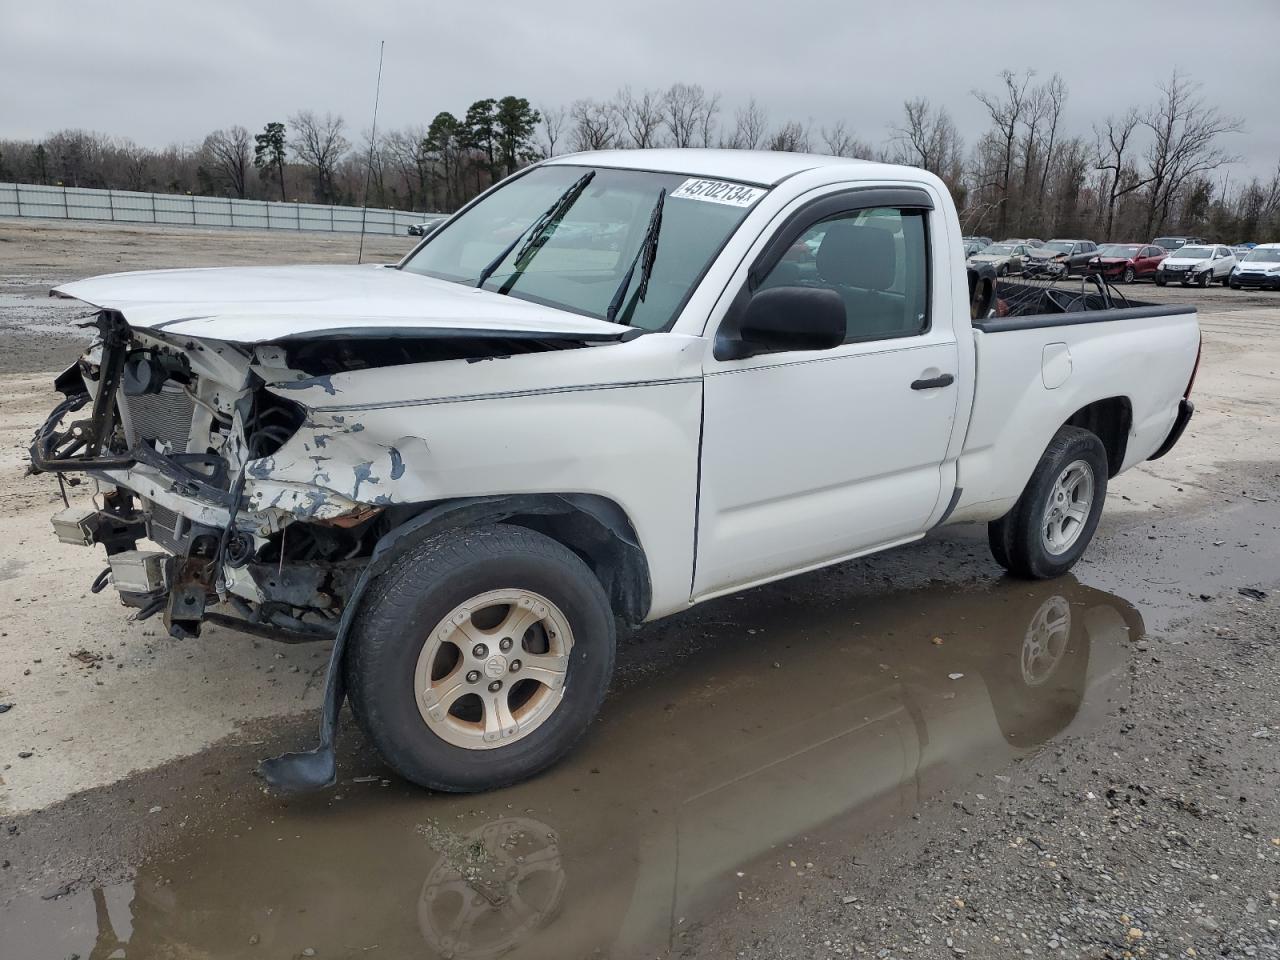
[[163, 71]]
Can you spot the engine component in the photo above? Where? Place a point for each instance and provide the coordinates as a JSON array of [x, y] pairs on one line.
[[138, 571], [77, 526]]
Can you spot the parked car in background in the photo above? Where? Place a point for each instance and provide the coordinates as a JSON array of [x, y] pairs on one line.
[[1241, 250], [979, 241], [1006, 258], [1173, 243], [1059, 258], [1029, 241], [1127, 262], [1197, 264], [1260, 267], [426, 226]]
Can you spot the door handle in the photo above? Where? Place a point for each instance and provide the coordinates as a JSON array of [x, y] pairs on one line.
[[945, 380]]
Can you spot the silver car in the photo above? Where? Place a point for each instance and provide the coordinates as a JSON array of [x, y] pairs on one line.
[[1006, 258]]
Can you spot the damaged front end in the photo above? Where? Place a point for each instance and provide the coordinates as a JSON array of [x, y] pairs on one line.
[[177, 435]]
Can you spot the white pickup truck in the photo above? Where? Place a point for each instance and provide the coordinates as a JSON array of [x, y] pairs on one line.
[[614, 385]]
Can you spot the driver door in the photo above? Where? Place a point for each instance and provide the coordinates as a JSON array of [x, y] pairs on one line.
[[810, 456]]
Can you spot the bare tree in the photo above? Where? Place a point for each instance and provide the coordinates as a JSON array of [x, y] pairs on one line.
[[409, 153], [683, 109], [1112, 143], [707, 125], [750, 122], [553, 121], [595, 125], [1055, 93], [840, 143], [228, 152], [1184, 133], [793, 137], [318, 142], [1005, 109], [640, 117], [928, 139]]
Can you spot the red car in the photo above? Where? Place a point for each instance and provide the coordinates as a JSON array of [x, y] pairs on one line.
[[1127, 262]]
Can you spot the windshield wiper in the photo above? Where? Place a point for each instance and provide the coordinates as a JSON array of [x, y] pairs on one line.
[[648, 251], [553, 215]]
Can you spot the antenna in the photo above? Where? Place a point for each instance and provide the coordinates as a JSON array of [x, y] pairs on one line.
[[373, 140]]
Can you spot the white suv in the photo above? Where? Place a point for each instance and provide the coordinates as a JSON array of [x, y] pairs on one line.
[[1260, 267], [1203, 264]]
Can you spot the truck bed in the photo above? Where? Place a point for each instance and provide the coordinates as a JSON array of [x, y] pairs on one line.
[[1032, 368]]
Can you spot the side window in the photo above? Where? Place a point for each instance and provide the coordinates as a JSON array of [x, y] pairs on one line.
[[876, 259]]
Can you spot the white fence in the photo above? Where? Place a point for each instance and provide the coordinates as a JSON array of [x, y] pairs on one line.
[[127, 206]]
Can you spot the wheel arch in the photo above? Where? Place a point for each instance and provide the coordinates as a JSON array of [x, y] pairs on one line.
[[595, 528], [1110, 420]]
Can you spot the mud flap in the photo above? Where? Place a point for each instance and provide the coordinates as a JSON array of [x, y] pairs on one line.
[[317, 768]]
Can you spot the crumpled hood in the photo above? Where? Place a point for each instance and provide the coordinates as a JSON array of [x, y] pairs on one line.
[[264, 304], [1045, 254]]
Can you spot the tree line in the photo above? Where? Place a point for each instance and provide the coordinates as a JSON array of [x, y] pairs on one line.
[[1158, 167]]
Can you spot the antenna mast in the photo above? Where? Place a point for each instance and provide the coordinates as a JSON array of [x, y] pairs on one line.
[[373, 139]]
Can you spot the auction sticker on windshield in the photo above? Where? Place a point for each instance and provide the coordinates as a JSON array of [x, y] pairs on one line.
[[718, 191]]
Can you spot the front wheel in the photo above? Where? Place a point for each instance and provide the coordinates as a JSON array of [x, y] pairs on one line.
[[480, 658], [1129, 275], [1205, 278], [1055, 518]]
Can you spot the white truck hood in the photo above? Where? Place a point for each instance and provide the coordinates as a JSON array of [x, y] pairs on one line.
[[265, 304]]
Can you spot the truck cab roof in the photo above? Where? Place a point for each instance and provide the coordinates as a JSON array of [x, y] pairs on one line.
[[762, 167]]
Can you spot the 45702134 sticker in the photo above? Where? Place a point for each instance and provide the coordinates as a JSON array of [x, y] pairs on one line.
[[718, 191]]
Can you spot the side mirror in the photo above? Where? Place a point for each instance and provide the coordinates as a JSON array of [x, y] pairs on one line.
[[781, 319]]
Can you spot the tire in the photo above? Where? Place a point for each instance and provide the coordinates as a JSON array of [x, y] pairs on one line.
[[1129, 276], [1206, 279], [1234, 286], [418, 600], [1160, 281], [1226, 281], [1019, 540], [1003, 271]]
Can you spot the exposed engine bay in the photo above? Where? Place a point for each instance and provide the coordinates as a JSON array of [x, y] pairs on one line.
[[170, 434]]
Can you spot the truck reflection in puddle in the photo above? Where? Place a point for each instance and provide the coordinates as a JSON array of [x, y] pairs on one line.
[[832, 721]]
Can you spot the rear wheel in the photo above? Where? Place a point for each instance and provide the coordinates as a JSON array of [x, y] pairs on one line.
[[480, 658], [1054, 520]]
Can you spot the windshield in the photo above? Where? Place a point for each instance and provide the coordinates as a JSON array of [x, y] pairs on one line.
[[998, 250], [577, 260], [1118, 250], [1195, 253], [1058, 246], [1261, 255], [1169, 243]]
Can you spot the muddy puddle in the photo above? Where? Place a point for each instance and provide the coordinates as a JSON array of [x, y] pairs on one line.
[[823, 721]]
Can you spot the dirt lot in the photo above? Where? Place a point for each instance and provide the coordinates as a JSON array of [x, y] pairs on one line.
[[905, 756]]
